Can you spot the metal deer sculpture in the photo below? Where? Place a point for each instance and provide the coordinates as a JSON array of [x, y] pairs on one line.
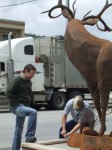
[[91, 55]]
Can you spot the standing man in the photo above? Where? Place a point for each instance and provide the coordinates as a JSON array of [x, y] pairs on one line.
[[19, 93], [82, 116]]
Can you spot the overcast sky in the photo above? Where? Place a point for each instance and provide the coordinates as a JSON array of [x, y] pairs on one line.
[[41, 24]]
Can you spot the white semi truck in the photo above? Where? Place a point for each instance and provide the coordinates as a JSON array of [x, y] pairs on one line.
[[56, 81]]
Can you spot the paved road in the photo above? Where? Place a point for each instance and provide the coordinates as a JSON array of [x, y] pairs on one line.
[[47, 127]]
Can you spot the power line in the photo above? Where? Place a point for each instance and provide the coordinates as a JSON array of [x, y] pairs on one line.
[[17, 4]]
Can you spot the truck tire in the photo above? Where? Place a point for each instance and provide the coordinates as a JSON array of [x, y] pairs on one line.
[[58, 100], [74, 93]]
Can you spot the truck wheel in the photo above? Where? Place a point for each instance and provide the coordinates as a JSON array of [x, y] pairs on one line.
[[58, 100], [74, 93]]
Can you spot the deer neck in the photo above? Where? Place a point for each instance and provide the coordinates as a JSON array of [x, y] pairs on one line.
[[81, 47]]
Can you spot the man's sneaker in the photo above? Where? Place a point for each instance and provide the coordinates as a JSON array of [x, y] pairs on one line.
[[31, 140]]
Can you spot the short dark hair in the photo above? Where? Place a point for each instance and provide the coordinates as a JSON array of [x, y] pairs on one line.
[[29, 67]]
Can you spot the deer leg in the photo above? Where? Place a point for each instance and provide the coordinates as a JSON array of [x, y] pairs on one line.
[[96, 98], [104, 98]]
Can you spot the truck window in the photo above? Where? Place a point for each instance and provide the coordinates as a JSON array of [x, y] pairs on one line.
[[2, 66], [28, 50]]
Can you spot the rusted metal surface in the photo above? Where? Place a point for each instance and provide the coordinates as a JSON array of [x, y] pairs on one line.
[[91, 55], [89, 131], [88, 142]]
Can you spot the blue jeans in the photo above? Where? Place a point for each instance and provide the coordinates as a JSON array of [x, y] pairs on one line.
[[21, 112], [69, 126]]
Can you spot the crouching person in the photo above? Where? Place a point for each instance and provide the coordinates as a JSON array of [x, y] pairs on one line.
[[19, 93], [82, 115]]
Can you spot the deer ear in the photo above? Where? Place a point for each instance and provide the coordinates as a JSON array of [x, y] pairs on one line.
[[90, 22]]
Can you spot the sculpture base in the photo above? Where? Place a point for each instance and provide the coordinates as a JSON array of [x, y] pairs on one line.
[[87, 142]]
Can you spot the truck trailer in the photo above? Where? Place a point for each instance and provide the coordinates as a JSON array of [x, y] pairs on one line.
[[56, 81]]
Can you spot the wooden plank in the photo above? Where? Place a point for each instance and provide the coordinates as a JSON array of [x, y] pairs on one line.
[[36, 146], [43, 145], [51, 142]]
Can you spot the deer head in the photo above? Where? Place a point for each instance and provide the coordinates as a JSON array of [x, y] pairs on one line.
[[86, 20]]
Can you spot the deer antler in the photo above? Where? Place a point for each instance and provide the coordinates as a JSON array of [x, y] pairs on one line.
[[65, 11], [106, 28], [83, 19], [107, 5]]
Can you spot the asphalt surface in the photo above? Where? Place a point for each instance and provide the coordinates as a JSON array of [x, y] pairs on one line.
[[48, 124]]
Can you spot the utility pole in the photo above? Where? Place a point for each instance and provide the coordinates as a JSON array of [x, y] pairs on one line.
[[67, 3]]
